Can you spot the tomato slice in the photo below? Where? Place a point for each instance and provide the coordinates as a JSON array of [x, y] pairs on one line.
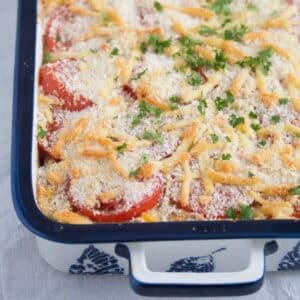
[[119, 212], [296, 214], [52, 39], [52, 85]]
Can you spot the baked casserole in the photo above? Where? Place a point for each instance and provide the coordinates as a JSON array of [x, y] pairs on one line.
[[167, 110]]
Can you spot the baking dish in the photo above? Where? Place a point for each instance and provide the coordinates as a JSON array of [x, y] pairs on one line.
[[128, 235]]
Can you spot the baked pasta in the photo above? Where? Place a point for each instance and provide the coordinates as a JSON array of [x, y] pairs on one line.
[[169, 110]]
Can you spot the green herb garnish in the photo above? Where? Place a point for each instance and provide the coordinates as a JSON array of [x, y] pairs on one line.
[[255, 127], [58, 38], [235, 121], [250, 174], [261, 60], [41, 132], [153, 136], [93, 50], [205, 30], [295, 190], [157, 44], [246, 212], [222, 103], [283, 101], [139, 75], [222, 7], [275, 119], [105, 19], [144, 160], [121, 149], [157, 5], [194, 79], [236, 33], [173, 102], [226, 156], [220, 61], [228, 139], [230, 213], [47, 57], [114, 51], [262, 143], [144, 109], [202, 105], [252, 115], [214, 138]]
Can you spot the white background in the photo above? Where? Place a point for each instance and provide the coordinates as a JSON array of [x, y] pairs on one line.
[[23, 274]]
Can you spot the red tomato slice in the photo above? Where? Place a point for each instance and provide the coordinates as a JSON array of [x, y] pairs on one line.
[[52, 85], [121, 213], [52, 38], [44, 144], [296, 214]]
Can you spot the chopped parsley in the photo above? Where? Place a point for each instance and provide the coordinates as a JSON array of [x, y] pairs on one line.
[[283, 101], [139, 75], [144, 47], [252, 7], [105, 19], [145, 109], [202, 105], [262, 143], [47, 57], [246, 212], [255, 127], [231, 213], [295, 190], [222, 103], [194, 79], [250, 174], [187, 42], [206, 30], [41, 132], [226, 156], [226, 21], [156, 43], [222, 7], [153, 136], [93, 50], [275, 119], [214, 138], [236, 33], [121, 149], [114, 51], [134, 172], [157, 5], [228, 139], [144, 160], [261, 60], [235, 121], [220, 61], [58, 38], [173, 102], [252, 115]]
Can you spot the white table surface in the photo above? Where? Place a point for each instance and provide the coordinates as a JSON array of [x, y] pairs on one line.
[[23, 274]]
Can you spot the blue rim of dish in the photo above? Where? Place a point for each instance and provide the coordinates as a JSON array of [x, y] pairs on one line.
[[40, 225]]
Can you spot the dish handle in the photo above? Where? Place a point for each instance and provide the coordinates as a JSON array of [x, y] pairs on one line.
[[152, 283]]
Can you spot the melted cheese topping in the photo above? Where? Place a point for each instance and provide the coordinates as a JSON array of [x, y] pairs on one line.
[[201, 96]]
